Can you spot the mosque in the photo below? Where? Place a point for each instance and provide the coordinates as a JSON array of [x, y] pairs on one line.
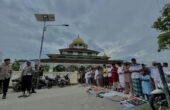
[[75, 56]]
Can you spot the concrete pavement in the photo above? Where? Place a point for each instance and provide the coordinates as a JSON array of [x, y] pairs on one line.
[[68, 98]]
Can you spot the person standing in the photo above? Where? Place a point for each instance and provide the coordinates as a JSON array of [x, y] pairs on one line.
[[136, 76], [87, 76], [115, 77], [92, 76], [109, 69], [96, 76], [5, 75], [105, 76], [26, 82], [155, 75], [146, 83], [100, 77], [128, 79], [166, 69], [121, 77]]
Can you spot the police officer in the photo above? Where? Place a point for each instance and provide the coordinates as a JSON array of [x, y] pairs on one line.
[[5, 75], [26, 79]]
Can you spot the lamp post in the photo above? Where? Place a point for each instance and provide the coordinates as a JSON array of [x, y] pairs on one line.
[[45, 18]]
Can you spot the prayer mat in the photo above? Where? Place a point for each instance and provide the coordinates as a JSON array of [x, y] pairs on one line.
[[133, 102]]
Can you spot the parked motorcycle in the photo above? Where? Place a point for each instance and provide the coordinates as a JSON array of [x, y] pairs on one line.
[[16, 84], [51, 81], [43, 83], [158, 99], [63, 81]]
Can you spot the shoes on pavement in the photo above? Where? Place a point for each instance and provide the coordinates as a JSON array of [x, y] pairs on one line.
[[33, 92], [24, 95], [3, 97]]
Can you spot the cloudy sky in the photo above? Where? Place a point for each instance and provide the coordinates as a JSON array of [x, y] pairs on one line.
[[119, 28]]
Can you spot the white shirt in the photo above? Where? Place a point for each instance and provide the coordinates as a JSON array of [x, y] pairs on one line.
[[96, 74], [27, 70], [109, 71], [135, 68], [87, 75], [121, 74], [166, 70], [155, 74], [120, 70]]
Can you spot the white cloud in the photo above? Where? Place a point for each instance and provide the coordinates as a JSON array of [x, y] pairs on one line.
[[120, 28], [140, 54]]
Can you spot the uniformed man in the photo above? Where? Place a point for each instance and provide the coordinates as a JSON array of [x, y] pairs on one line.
[[5, 75], [26, 82]]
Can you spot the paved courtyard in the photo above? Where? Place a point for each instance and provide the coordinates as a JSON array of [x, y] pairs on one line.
[[68, 98]]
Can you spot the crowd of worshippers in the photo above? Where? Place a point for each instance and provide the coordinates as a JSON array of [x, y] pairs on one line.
[[29, 77], [129, 77]]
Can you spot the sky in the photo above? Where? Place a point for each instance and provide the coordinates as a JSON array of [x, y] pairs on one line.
[[120, 28]]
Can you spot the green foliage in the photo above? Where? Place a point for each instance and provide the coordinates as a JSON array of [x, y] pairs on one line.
[[16, 66], [164, 41], [46, 68], [72, 68], [59, 68], [163, 25], [163, 22]]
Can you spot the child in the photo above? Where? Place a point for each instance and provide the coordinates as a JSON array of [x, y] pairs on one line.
[[146, 84]]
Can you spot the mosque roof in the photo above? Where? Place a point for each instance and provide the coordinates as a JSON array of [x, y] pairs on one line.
[[78, 42]]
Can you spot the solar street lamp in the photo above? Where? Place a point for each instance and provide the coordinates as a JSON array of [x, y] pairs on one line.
[[45, 18]]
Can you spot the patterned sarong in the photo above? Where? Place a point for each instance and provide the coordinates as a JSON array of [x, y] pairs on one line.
[[137, 87]]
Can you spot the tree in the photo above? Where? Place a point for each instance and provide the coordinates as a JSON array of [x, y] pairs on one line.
[[16, 66], [59, 68], [164, 41], [162, 24], [46, 68], [72, 68]]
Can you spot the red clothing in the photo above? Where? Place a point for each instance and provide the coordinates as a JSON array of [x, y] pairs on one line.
[[115, 77], [110, 81]]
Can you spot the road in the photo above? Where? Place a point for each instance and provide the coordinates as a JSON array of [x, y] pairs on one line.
[[68, 98]]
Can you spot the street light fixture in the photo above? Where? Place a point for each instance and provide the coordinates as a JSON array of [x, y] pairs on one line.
[[45, 18]]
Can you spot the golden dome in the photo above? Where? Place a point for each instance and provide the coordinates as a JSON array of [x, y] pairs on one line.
[[78, 41]]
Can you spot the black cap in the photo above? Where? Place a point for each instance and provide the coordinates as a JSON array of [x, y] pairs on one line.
[[7, 59]]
